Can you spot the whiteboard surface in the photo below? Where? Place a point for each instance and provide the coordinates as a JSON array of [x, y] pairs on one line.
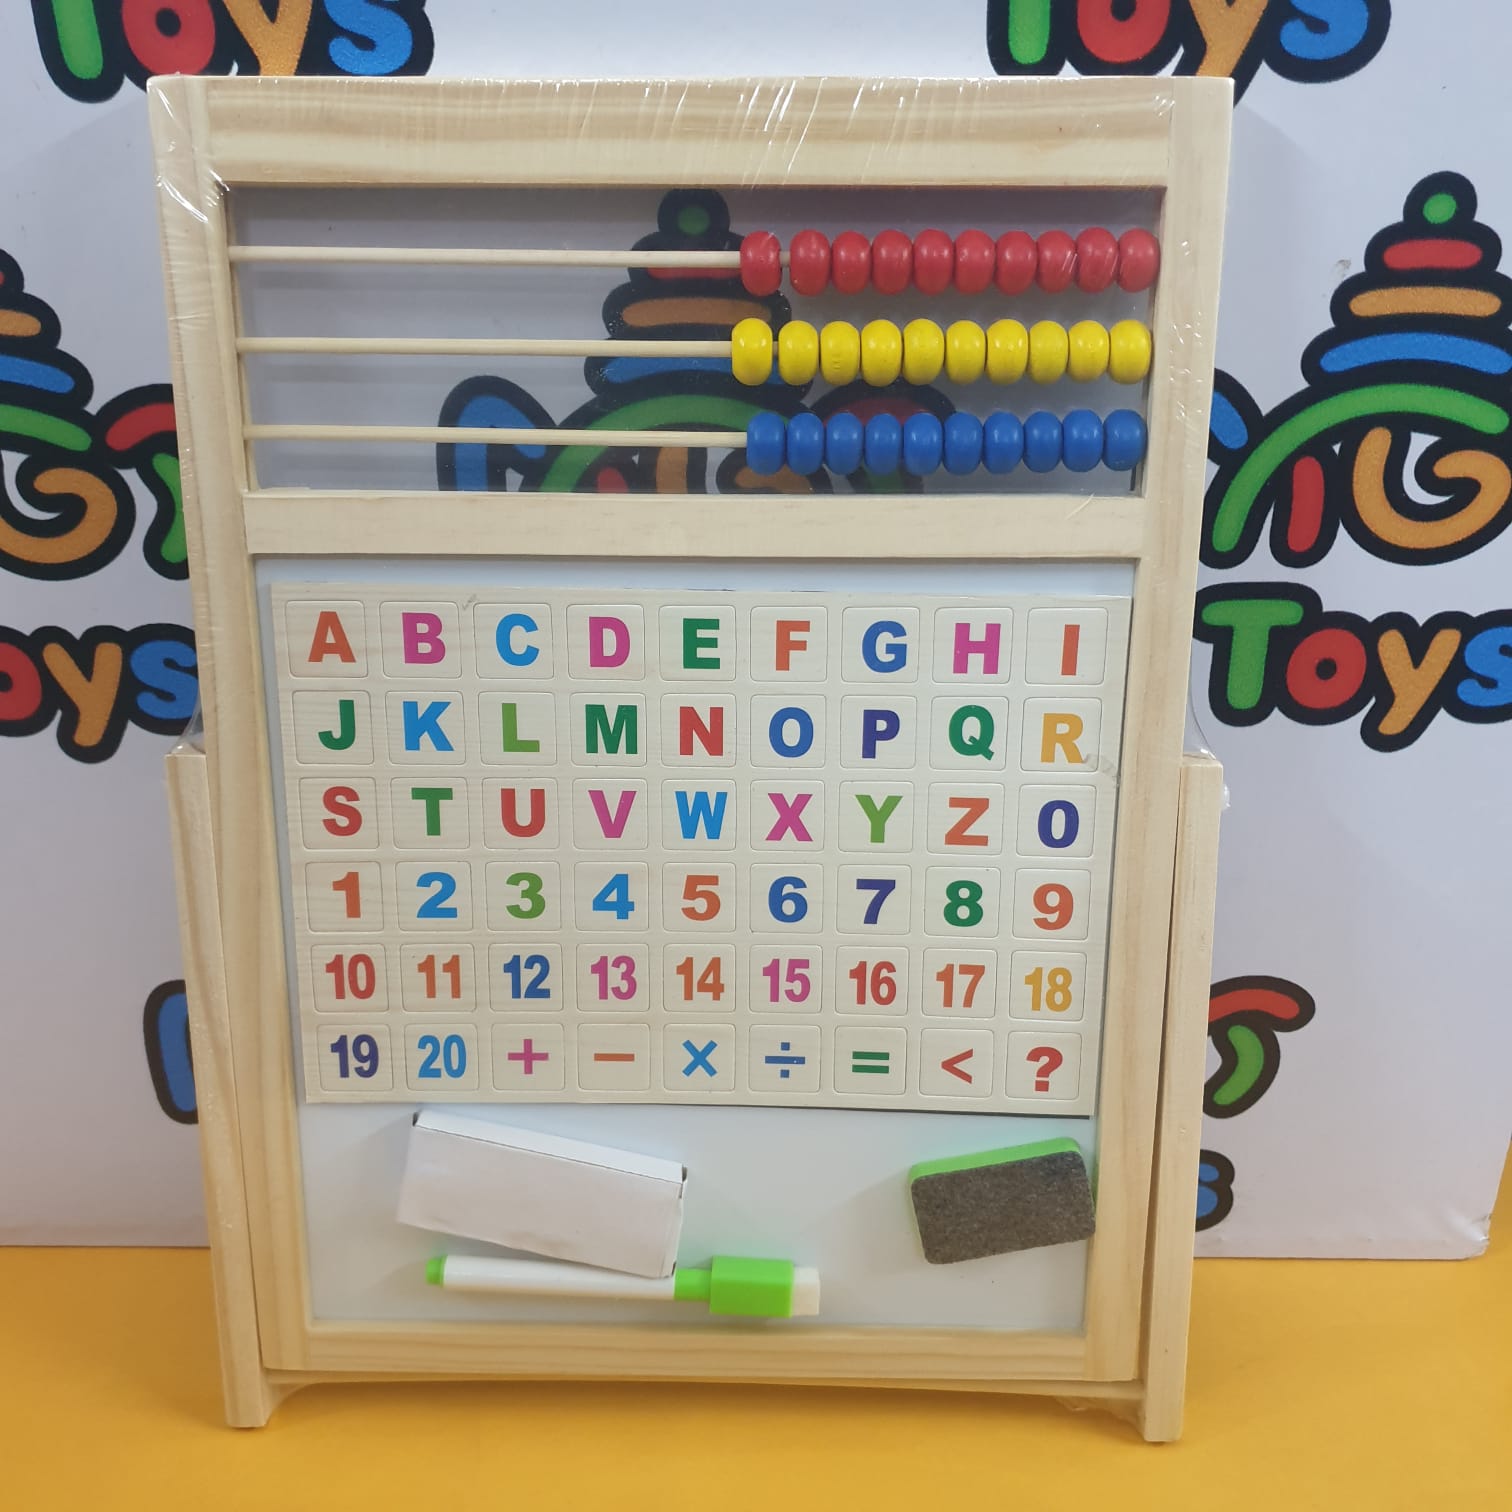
[[821, 1187]]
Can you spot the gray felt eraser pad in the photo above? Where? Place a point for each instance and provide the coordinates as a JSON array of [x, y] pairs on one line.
[[1001, 1201]]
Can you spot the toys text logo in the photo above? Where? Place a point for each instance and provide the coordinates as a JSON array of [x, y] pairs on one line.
[[66, 511], [1402, 436], [90, 46], [1310, 41]]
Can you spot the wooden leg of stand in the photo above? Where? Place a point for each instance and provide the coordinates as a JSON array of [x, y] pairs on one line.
[[250, 1396], [1168, 1297]]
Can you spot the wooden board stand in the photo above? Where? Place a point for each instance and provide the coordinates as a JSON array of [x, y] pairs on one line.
[[216, 138]]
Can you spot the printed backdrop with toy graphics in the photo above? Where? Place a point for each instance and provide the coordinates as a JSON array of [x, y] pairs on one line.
[[1352, 648]]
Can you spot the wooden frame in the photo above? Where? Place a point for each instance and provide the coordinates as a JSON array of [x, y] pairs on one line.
[[214, 136]]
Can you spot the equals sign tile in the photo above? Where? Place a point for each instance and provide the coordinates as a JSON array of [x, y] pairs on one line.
[[871, 1062]]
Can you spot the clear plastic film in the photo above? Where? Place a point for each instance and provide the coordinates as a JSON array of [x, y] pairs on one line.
[[767, 310]]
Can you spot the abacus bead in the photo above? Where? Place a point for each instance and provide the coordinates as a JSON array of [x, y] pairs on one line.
[[923, 351], [975, 260], [933, 262], [892, 262], [1042, 442], [1087, 358], [923, 439], [881, 352], [1138, 260], [1049, 351], [1017, 262], [1128, 351], [962, 443], [809, 262], [761, 263], [1007, 351], [840, 352], [766, 444], [884, 444], [965, 351], [844, 437], [1057, 262], [1096, 259], [751, 351], [797, 352], [1124, 439], [1081, 440], [1002, 442], [805, 443], [850, 262]]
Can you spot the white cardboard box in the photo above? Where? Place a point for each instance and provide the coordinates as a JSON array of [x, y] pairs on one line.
[[543, 1194]]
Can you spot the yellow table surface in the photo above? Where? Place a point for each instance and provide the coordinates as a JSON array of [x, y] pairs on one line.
[[1329, 1384]]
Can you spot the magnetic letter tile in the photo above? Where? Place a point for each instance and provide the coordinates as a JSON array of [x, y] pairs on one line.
[[525, 976], [513, 641], [326, 639], [339, 813], [420, 640], [789, 645]]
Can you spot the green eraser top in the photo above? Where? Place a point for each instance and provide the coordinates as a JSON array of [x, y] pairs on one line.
[[435, 1270], [1060, 1146]]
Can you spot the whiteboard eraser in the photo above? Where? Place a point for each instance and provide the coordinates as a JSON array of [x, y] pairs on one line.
[[543, 1194]]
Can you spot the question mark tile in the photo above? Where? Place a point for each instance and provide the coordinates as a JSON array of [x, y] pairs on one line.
[[1044, 1066]]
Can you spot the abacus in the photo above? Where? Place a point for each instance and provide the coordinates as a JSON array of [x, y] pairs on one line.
[[770, 768]]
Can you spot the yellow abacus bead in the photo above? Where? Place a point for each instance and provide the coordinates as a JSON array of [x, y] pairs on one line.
[[797, 352], [923, 351], [840, 352], [1049, 351], [1007, 351], [1089, 351], [1129, 351], [881, 352], [751, 351], [965, 351]]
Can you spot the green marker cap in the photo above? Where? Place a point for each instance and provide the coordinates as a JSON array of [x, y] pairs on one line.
[[435, 1270], [741, 1288]]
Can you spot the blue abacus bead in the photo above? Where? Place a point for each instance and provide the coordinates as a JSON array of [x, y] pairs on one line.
[[805, 444], [1002, 442], [923, 440], [1042, 442], [1081, 440], [884, 444], [766, 444], [1124, 440], [963, 444], [844, 438]]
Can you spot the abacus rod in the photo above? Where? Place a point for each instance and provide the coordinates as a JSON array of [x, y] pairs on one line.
[[477, 346], [495, 257], [496, 435]]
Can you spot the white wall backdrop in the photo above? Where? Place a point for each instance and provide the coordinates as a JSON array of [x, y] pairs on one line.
[[1364, 892]]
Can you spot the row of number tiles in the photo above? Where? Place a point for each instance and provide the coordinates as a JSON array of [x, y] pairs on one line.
[[958, 818], [606, 897], [711, 643], [1037, 986], [778, 1061], [627, 730]]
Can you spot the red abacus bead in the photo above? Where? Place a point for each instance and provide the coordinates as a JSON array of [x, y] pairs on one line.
[[1017, 261], [761, 263], [1096, 259], [1138, 260], [850, 262], [933, 262], [975, 258], [1057, 261], [809, 262], [892, 262]]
